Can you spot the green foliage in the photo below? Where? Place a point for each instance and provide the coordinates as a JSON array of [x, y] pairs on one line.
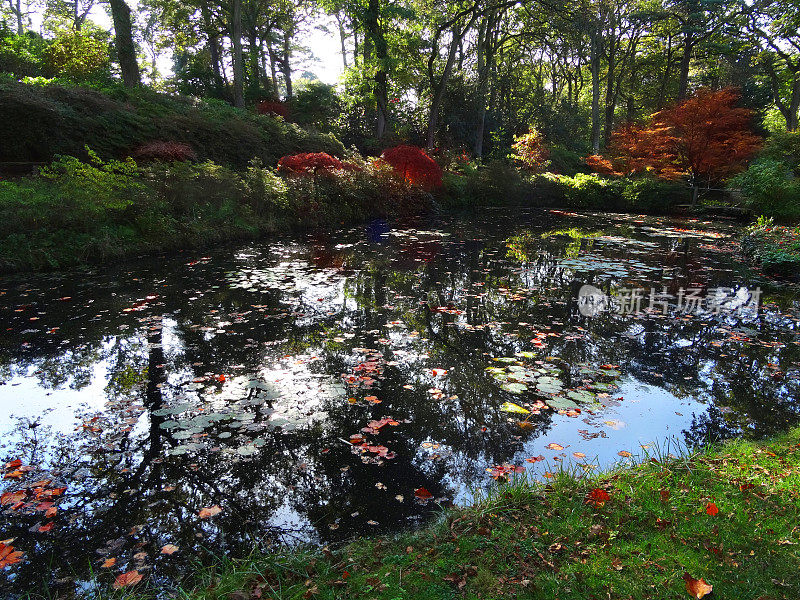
[[770, 188], [78, 55], [316, 104], [53, 119]]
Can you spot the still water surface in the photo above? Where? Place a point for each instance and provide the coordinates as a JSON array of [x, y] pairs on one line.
[[312, 388]]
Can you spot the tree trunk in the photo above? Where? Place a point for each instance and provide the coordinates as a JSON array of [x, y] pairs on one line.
[[436, 101], [373, 30], [238, 67], [286, 67], [610, 99], [595, 68], [20, 28], [126, 50], [342, 38], [686, 60]]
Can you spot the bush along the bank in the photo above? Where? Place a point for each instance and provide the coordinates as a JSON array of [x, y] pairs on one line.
[[48, 120], [776, 248], [76, 212]]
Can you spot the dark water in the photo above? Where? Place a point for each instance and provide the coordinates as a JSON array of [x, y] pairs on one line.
[[292, 384]]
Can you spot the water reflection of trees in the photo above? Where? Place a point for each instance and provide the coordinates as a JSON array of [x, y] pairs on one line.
[[119, 481]]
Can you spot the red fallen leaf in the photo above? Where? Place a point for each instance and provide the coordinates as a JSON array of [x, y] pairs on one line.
[[211, 511], [711, 509], [42, 506], [422, 494], [13, 464], [664, 495], [624, 454], [535, 459], [127, 579], [109, 562], [372, 399], [9, 556], [609, 366], [221, 378], [18, 474], [439, 372], [598, 497], [356, 438], [47, 527], [697, 588]]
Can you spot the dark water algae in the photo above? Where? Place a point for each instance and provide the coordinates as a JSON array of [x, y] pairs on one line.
[[346, 383]]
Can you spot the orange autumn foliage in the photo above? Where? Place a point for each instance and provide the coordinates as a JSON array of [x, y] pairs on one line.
[[706, 138]]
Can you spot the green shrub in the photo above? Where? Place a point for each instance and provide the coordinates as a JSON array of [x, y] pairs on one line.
[[46, 120], [770, 189]]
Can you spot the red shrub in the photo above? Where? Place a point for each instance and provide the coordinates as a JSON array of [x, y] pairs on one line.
[[273, 107], [414, 165], [165, 151], [530, 150], [310, 163]]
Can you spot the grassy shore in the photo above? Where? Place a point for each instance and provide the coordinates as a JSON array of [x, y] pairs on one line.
[[775, 247], [727, 515]]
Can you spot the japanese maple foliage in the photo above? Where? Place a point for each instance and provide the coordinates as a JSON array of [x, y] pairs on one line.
[[706, 138], [309, 163], [274, 108], [415, 166], [530, 150]]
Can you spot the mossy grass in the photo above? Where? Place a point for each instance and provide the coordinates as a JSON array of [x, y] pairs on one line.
[[727, 514]]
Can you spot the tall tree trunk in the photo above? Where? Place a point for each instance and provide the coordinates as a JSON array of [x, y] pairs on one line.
[[238, 66], [126, 50], [20, 27], [610, 99], [594, 60], [438, 91], [662, 90], [342, 38], [374, 31], [286, 67], [686, 61]]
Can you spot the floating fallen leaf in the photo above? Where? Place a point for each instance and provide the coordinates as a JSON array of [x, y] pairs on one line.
[[211, 511], [554, 446], [697, 588], [422, 494], [127, 579], [169, 549], [109, 562], [624, 453], [439, 372], [9, 556], [514, 408], [578, 455]]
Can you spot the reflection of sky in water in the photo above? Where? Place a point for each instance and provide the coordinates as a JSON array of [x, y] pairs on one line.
[[254, 342]]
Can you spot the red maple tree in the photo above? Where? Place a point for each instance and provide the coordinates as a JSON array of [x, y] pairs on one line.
[[309, 163], [705, 138], [530, 150], [274, 108], [415, 166]]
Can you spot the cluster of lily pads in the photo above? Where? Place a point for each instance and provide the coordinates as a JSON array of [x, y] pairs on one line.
[[245, 411], [546, 380]]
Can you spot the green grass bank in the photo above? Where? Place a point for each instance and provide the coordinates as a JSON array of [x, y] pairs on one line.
[[727, 515]]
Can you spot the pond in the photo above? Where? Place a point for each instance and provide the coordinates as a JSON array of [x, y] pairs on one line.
[[167, 410]]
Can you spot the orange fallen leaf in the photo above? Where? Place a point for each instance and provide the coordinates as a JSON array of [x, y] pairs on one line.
[[711, 509], [578, 455], [9, 556], [169, 549], [664, 495], [211, 511], [554, 446], [47, 527], [625, 453], [439, 372], [127, 579], [109, 562], [697, 588]]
